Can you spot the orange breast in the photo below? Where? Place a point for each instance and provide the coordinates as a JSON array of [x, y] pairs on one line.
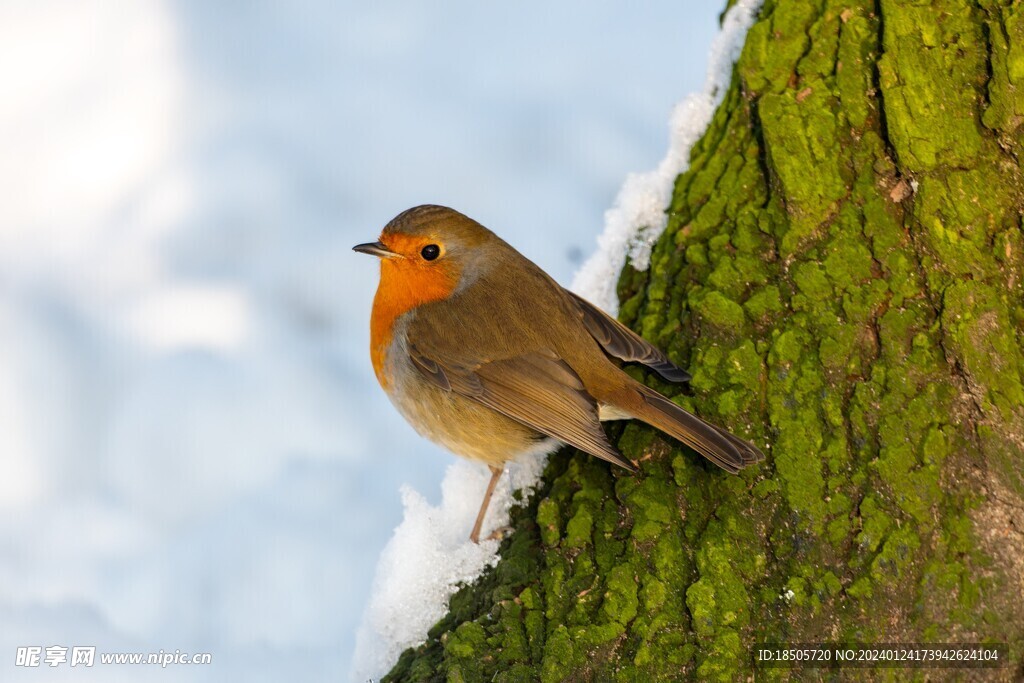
[[403, 286]]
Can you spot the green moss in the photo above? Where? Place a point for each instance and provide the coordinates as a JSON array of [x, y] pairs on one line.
[[765, 488], [830, 584], [931, 73], [812, 283], [836, 353], [860, 589], [898, 553], [875, 524], [800, 132], [466, 641], [767, 302], [652, 504], [744, 366], [849, 261], [722, 658], [620, 599], [853, 81], [700, 599], [579, 529], [560, 657], [548, 520], [720, 314], [1005, 33], [977, 326], [697, 255], [774, 46]]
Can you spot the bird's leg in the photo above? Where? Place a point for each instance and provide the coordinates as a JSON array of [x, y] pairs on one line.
[[495, 475]]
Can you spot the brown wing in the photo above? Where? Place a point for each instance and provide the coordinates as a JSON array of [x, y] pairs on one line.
[[625, 344], [536, 389]]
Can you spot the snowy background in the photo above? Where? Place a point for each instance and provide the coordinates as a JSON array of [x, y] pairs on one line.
[[194, 454]]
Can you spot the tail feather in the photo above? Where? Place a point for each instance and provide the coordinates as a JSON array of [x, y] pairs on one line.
[[716, 444]]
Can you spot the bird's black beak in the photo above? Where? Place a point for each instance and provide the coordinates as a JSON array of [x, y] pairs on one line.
[[374, 249]]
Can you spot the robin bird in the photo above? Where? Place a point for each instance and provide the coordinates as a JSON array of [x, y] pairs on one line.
[[483, 353]]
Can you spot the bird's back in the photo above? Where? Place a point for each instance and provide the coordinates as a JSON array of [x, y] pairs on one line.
[[505, 309]]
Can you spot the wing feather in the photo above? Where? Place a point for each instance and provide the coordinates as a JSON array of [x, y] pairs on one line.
[[536, 389], [625, 344]]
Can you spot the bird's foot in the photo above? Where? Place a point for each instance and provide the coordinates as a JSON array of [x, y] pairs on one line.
[[500, 533], [496, 535]]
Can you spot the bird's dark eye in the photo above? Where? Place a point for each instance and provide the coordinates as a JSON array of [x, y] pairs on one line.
[[430, 252]]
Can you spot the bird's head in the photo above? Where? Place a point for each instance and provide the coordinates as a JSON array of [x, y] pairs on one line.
[[427, 252]]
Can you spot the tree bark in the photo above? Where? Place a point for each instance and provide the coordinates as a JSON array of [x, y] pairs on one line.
[[842, 273]]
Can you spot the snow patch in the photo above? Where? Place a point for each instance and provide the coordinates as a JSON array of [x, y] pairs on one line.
[[429, 557], [639, 215]]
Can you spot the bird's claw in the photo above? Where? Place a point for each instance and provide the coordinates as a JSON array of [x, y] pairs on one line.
[[496, 535]]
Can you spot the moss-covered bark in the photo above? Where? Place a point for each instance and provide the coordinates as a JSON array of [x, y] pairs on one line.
[[842, 273]]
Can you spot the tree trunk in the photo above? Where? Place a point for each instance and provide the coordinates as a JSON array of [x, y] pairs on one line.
[[842, 273]]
